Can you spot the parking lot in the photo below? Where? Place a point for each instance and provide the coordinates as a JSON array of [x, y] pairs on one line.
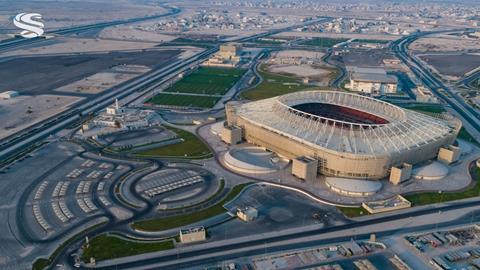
[[278, 209], [70, 195], [449, 249]]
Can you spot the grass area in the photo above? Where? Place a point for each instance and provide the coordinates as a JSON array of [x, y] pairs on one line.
[[464, 135], [160, 224], [106, 247], [184, 100], [436, 197], [352, 212], [323, 42], [208, 80], [191, 147], [43, 263], [274, 85], [429, 109]]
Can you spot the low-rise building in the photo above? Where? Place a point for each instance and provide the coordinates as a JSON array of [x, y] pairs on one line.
[[422, 94], [191, 235], [449, 154], [229, 55], [401, 173], [305, 168], [231, 134], [116, 118], [247, 214], [372, 81], [395, 203]]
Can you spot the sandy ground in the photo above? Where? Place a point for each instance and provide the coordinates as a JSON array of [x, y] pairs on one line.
[[445, 43], [130, 33], [334, 35], [298, 53], [68, 13], [452, 65], [23, 111], [82, 45], [299, 70], [318, 73], [188, 51], [99, 82]]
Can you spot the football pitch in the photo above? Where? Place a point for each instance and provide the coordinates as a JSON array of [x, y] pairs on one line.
[[184, 100], [208, 81]]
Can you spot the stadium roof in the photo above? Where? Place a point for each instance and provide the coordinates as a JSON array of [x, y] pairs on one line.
[[405, 129]]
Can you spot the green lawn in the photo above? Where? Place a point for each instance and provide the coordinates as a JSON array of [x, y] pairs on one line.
[[191, 147], [184, 100], [208, 80], [352, 212], [323, 42], [274, 85], [429, 109], [106, 247], [160, 224], [464, 135], [42, 263], [435, 197]]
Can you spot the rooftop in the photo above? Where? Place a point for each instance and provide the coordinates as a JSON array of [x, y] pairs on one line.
[[374, 77]]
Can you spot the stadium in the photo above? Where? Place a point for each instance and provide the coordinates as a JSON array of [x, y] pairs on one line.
[[347, 135]]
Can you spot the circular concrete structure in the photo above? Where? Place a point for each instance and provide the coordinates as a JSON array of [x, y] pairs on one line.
[[433, 171], [353, 187], [253, 160], [352, 136]]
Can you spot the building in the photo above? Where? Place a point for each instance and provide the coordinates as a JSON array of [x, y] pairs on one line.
[[422, 94], [449, 154], [401, 173], [349, 135], [231, 134], [229, 55], [305, 168], [373, 81], [397, 202], [193, 235], [8, 94], [117, 118], [247, 214], [230, 51]]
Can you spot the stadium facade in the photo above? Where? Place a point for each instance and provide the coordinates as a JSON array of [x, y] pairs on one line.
[[348, 135]]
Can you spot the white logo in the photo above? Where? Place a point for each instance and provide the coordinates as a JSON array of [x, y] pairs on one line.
[[29, 22]]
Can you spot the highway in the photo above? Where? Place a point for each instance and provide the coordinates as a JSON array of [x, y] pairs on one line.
[[19, 41], [274, 243], [20, 141], [101, 102], [400, 47]]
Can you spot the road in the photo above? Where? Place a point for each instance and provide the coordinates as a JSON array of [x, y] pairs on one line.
[[249, 247], [20, 42], [15, 145], [400, 48]]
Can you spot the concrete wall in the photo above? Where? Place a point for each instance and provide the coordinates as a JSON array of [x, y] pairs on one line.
[[333, 163]]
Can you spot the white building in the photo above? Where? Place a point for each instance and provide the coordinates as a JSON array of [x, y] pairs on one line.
[[372, 81], [8, 94], [247, 214], [120, 118]]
